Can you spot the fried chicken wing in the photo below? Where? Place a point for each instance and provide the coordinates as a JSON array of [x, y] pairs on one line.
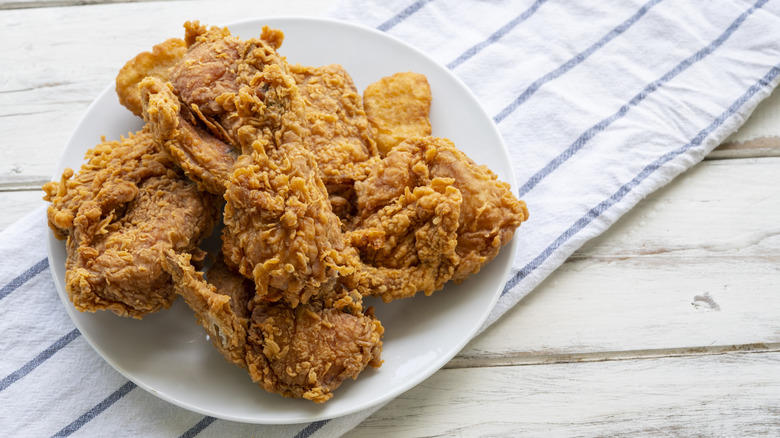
[[428, 214], [204, 157], [305, 352], [156, 64], [220, 305], [126, 205], [398, 107]]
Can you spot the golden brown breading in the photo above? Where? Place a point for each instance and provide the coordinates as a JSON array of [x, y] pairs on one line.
[[339, 136], [216, 79], [490, 213], [126, 204], [408, 245], [428, 214], [156, 64], [205, 158], [306, 352], [398, 107], [309, 351], [279, 228]]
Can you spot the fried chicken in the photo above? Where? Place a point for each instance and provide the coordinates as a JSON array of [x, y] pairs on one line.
[[398, 107], [156, 64], [339, 139], [428, 214], [303, 352], [204, 157], [328, 197], [126, 204]]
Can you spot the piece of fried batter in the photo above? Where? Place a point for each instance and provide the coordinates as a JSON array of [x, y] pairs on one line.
[[126, 204], [398, 107], [305, 352]]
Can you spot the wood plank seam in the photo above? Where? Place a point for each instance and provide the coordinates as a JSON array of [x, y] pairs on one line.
[[526, 359], [60, 3]]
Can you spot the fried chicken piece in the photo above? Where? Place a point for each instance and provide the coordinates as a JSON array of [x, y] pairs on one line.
[[435, 238], [198, 115], [309, 351], [340, 139], [398, 107], [205, 158], [217, 69], [126, 205], [305, 352], [408, 245], [279, 228], [156, 64], [220, 305]]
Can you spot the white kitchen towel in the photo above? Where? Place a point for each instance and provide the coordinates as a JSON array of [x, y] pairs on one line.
[[600, 103]]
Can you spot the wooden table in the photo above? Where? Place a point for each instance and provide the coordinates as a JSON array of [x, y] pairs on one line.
[[667, 324]]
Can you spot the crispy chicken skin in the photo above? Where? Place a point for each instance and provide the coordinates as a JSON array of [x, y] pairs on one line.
[[398, 107], [126, 204], [408, 245], [302, 352], [156, 64], [428, 214]]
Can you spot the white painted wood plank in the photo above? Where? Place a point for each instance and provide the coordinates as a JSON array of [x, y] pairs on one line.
[[57, 60], [713, 208], [18, 204], [696, 264], [21, 4], [723, 395]]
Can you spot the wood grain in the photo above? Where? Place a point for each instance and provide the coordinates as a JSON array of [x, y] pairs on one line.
[[722, 395]]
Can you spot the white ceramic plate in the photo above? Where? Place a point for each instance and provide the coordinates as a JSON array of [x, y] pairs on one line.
[[168, 354]]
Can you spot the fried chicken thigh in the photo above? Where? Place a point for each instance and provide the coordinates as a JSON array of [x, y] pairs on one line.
[[428, 214], [127, 203]]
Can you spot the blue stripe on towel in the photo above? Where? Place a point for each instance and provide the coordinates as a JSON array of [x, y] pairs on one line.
[[24, 277], [497, 35], [649, 89], [96, 410], [39, 359], [198, 427], [568, 65], [596, 211], [307, 431], [403, 15]]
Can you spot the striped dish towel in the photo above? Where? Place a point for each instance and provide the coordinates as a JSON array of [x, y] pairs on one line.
[[600, 103]]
